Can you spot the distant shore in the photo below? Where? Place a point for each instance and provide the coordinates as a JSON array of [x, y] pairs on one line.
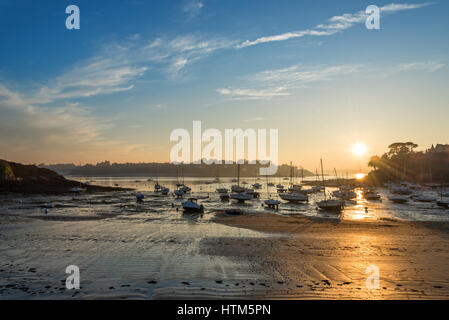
[[327, 259]]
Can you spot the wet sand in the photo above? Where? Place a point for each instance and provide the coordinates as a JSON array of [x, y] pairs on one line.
[[313, 258]]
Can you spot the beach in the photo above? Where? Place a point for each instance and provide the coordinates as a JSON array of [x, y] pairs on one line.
[[313, 258], [152, 250]]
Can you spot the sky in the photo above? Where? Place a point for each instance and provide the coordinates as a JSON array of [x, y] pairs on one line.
[[137, 70]]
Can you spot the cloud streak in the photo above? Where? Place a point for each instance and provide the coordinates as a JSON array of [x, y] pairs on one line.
[[276, 83], [334, 25]]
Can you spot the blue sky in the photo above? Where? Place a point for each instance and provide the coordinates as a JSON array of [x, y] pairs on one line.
[[136, 70]]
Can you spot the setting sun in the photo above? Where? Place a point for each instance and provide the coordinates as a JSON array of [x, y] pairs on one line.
[[359, 149]]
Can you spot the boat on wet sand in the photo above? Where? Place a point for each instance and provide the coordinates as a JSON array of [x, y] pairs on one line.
[[423, 198], [443, 203], [224, 196], [398, 198], [371, 195], [294, 197], [178, 193], [241, 197], [329, 205], [192, 205], [272, 203]]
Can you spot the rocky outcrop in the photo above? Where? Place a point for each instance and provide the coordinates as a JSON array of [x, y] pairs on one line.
[[29, 179]]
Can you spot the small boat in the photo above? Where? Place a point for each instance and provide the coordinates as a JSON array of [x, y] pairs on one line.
[[234, 212], [270, 184], [157, 187], [178, 193], [398, 199], [423, 198], [224, 196], [280, 186], [371, 195], [253, 193], [185, 189], [281, 190], [77, 190], [331, 205], [237, 189], [192, 205], [401, 190], [344, 193], [222, 190], [295, 188], [140, 197], [443, 203], [257, 186], [165, 191], [241, 197], [316, 189], [47, 205], [150, 179], [294, 197], [272, 203]]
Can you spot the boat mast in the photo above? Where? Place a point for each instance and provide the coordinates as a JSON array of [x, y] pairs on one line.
[[324, 184], [302, 175], [291, 173], [238, 175]]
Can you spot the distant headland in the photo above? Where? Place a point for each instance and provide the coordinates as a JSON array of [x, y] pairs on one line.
[[30, 179]]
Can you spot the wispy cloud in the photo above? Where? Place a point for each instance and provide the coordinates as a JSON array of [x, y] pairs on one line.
[[193, 8], [428, 66], [282, 82], [333, 25], [252, 94], [275, 83], [256, 119]]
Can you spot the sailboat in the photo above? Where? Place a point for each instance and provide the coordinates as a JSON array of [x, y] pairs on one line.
[[294, 194], [157, 186], [271, 203], [256, 184], [332, 205], [443, 203], [237, 188], [239, 193], [192, 205]]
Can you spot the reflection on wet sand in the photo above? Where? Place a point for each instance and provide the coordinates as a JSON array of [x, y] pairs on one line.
[[328, 259]]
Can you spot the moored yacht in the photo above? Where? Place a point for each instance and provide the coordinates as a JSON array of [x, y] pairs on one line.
[[241, 197], [294, 197], [192, 205], [398, 198], [329, 205], [332, 205]]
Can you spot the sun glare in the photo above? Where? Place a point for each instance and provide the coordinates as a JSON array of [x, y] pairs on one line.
[[359, 149], [360, 176]]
